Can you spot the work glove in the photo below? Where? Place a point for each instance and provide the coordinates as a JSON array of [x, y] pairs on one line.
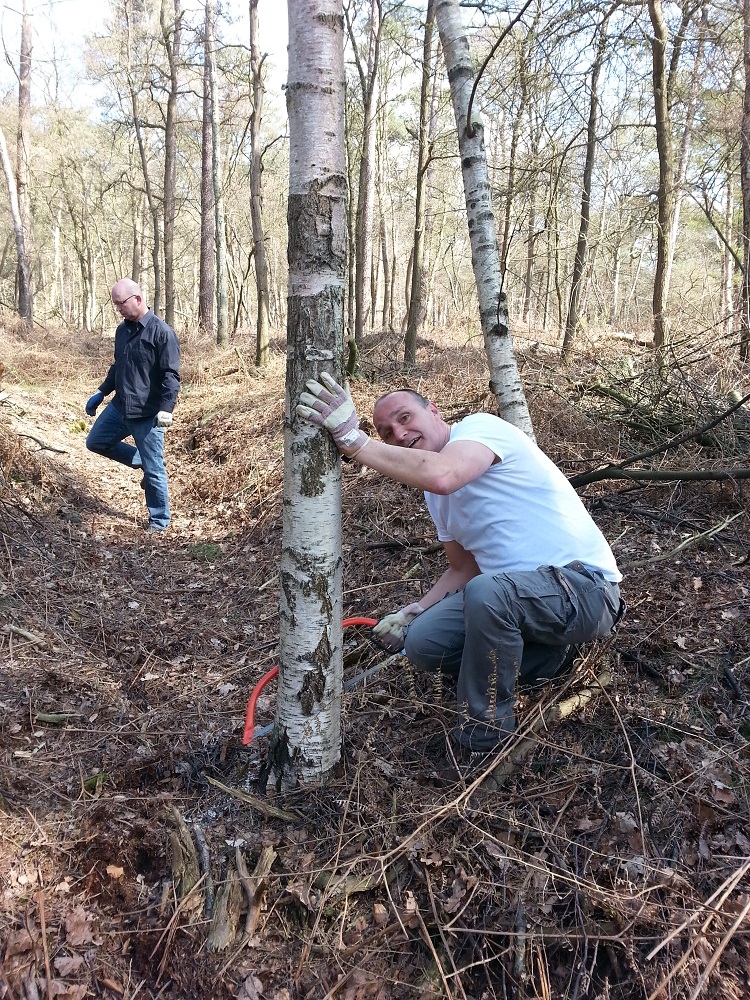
[[163, 419], [392, 629], [93, 403], [330, 406]]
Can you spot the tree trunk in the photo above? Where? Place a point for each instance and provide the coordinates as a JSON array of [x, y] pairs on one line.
[[171, 36], [256, 194], [745, 188], [727, 263], [579, 264], [207, 264], [666, 173], [141, 139], [24, 268], [686, 140], [485, 259], [306, 739], [23, 159], [222, 301], [366, 189], [416, 313]]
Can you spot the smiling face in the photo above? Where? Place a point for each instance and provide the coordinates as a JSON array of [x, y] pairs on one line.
[[405, 420]]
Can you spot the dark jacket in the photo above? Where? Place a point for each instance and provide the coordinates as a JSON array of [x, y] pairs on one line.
[[145, 376]]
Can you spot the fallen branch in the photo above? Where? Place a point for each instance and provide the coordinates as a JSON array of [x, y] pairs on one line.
[[37, 640], [42, 445], [264, 808], [687, 543], [654, 476], [614, 471]]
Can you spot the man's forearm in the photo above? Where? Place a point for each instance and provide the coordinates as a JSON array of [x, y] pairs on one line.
[[451, 581], [425, 470]]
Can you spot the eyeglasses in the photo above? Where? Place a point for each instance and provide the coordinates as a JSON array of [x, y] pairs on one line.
[[118, 304]]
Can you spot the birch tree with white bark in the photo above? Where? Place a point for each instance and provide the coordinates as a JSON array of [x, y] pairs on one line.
[[485, 257], [305, 743]]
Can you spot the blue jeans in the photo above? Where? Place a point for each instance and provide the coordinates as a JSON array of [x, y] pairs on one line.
[[106, 438], [499, 628]]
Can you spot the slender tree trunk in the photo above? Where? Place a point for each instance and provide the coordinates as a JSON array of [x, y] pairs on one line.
[[256, 193], [531, 229], [306, 739], [416, 312], [207, 265], [150, 197], [745, 188], [23, 159], [24, 268], [171, 35], [727, 268], [505, 379], [666, 174], [222, 301], [366, 188], [686, 140], [579, 264]]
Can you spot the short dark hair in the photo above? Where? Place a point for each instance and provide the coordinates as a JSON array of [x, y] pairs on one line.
[[423, 401]]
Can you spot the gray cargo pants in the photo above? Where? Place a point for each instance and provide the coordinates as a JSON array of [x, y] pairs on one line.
[[509, 625]]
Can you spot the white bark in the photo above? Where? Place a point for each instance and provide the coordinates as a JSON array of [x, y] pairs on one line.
[[485, 258], [307, 733]]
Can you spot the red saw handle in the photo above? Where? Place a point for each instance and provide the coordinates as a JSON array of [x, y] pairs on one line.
[[247, 733]]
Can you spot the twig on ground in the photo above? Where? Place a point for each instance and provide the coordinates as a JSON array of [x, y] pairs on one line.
[[264, 808], [686, 544]]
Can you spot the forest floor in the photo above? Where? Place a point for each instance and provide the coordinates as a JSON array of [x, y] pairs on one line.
[[609, 857]]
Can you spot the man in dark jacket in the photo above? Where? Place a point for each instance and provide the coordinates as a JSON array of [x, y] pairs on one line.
[[145, 378]]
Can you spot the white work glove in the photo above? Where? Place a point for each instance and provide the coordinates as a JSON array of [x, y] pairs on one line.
[[391, 629], [330, 406], [163, 419]]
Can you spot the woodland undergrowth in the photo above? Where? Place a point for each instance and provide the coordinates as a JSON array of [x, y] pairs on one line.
[[607, 856]]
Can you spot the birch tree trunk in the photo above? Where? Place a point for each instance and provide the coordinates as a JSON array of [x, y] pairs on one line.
[[485, 259], [571, 324], [171, 34], [256, 194], [306, 739], [23, 159], [23, 261], [207, 264]]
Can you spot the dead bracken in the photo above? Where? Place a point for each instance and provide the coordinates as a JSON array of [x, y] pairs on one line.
[[607, 855]]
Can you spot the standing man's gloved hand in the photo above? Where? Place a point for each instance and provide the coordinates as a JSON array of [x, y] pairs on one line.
[[163, 419], [391, 629], [93, 403], [330, 405]]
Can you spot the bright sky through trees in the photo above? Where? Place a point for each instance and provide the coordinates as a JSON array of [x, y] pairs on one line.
[[60, 31]]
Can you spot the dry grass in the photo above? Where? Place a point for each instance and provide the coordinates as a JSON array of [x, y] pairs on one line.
[[611, 863]]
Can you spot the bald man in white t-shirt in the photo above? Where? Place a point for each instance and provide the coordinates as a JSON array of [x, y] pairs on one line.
[[529, 573]]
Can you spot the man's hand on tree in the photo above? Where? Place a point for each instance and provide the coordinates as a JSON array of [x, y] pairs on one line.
[[163, 419], [93, 403], [392, 629], [330, 405]]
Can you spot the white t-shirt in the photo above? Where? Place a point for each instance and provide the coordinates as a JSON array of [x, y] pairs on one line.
[[522, 512]]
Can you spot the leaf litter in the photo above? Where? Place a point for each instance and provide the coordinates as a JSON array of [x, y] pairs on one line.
[[608, 857]]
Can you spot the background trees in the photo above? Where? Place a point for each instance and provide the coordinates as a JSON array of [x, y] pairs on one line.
[[114, 187]]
